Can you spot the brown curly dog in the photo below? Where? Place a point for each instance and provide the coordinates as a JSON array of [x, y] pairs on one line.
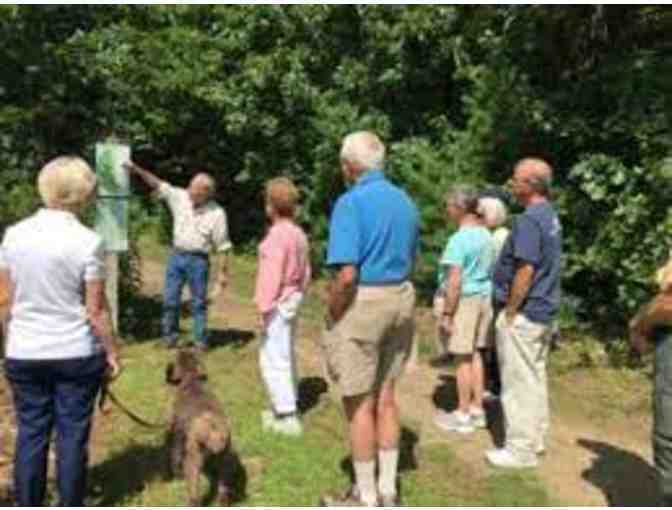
[[199, 427]]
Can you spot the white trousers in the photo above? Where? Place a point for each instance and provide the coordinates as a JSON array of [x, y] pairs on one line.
[[277, 358], [522, 348]]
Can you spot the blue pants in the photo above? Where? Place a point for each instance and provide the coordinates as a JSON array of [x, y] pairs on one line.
[[48, 393], [193, 269]]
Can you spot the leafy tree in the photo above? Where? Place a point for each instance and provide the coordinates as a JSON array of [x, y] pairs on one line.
[[458, 92]]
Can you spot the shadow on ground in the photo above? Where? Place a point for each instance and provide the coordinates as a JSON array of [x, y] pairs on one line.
[[235, 474], [230, 337], [445, 398], [310, 391], [127, 473], [142, 322], [625, 478], [142, 318], [445, 393]]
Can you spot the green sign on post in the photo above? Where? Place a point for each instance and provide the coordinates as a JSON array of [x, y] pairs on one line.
[[112, 213], [113, 194]]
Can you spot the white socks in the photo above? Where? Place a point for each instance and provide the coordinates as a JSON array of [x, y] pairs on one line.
[[387, 476], [365, 475]]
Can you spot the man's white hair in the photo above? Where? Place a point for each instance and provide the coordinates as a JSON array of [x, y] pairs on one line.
[[364, 150], [66, 182], [206, 180], [493, 211]]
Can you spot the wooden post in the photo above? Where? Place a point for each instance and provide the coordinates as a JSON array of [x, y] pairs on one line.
[[112, 287]]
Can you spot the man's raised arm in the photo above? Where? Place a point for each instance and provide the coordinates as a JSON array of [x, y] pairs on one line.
[[147, 177]]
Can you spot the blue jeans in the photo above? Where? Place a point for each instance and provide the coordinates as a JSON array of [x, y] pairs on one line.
[[48, 393], [191, 268]]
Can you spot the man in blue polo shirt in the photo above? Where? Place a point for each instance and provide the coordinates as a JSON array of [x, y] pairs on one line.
[[527, 290], [373, 239]]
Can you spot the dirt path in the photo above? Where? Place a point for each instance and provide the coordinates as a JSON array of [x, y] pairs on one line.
[[588, 462]]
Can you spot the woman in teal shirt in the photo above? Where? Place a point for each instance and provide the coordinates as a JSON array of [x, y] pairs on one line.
[[464, 307]]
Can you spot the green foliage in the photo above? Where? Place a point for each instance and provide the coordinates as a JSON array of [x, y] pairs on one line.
[[458, 92], [618, 220]]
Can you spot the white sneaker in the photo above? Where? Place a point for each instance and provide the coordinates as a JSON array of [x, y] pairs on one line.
[[456, 421], [501, 457], [478, 419], [290, 426], [489, 396]]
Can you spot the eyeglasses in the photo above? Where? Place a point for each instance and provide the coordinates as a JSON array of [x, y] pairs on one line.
[[514, 180]]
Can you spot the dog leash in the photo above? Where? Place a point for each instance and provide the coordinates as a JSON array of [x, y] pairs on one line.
[[106, 392]]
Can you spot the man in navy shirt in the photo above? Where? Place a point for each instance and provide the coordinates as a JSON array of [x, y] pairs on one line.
[[373, 239], [527, 289]]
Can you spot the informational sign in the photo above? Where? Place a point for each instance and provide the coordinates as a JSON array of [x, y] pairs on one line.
[[112, 223], [112, 213], [113, 194], [113, 179]]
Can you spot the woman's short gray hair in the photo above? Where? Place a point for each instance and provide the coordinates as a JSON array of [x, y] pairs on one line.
[[363, 149], [66, 182], [464, 197], [493, 211]]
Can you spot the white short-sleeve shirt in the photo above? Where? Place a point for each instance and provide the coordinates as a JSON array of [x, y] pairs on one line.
[[49, 257], [195, 229]]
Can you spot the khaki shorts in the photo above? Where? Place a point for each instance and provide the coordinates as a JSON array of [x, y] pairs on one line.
[[471, 325], [372, 342]]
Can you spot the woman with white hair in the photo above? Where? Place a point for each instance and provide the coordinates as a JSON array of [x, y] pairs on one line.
[[494, 213], [58, 332]]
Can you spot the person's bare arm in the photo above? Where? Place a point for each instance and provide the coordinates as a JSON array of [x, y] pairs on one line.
[[147, 177], [6, 295], [657, 312], [98, 312], [522, 281], [453, 289], [341, 293]]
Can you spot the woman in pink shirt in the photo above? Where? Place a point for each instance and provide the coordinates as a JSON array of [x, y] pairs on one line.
[[282, 277]]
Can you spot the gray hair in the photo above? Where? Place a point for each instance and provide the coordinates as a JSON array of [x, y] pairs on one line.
[[206, 180], [541, 178], [363, 149], [66, 182], [493, 211], [464, 197]]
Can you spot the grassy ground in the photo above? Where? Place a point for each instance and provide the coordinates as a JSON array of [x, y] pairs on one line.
[[130, 466], [276, 471]]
